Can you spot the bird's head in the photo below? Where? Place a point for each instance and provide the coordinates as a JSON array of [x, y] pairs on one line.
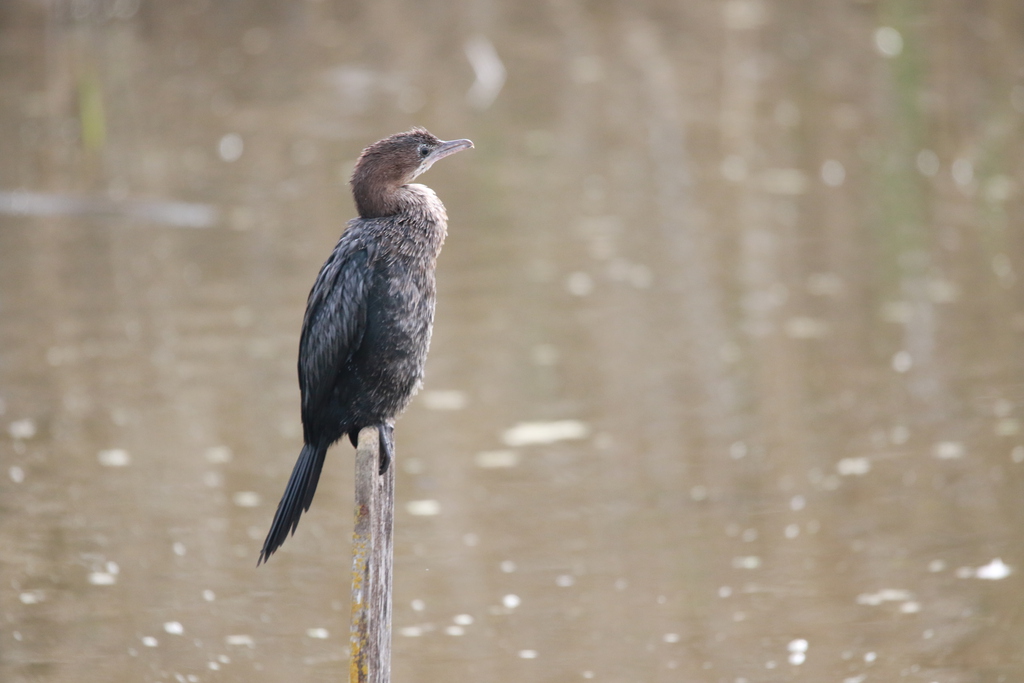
[[388, 164]]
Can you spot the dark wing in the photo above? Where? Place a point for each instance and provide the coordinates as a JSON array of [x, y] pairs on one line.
[[335, 320]]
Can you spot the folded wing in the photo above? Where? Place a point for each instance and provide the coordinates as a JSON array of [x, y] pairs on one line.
[[334, 324]]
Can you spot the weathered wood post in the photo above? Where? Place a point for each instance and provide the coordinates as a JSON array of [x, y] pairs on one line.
[[370, 656]]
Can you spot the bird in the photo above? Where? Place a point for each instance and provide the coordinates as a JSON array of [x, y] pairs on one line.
[[369, 315]]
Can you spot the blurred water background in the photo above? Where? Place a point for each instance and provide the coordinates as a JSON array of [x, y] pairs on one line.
[[726, 378]]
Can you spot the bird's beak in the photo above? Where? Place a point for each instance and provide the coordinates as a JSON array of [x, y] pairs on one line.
[[443, 150]]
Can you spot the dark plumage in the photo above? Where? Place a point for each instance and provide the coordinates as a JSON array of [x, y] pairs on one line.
[[369, 315]]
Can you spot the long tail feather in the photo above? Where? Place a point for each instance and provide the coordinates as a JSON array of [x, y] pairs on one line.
[[298, 496]]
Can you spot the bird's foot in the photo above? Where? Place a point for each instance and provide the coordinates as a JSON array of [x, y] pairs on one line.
[[387, 445]]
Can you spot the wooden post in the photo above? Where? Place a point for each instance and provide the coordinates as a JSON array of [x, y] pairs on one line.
[[370, 656]]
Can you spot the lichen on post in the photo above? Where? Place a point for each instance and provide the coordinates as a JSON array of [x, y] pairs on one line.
[[370, 656]]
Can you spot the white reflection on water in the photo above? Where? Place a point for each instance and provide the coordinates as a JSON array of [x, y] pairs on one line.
[[447, 399], [533, 433], [994, 570], [177, 214], [246, 499], [114, 457], [102, 578], [489, 69], [497, 459], [423, 508], [24, 428]]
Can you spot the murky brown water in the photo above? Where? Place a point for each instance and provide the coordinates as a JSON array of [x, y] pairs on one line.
[[727, 374]]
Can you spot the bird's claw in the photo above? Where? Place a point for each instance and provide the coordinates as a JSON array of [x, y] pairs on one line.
[[387, 446]]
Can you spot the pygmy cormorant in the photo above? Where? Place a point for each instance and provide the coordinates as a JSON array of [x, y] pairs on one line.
[[369, 315]]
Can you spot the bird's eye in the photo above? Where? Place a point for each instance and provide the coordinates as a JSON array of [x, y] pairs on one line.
[[424, 150]]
